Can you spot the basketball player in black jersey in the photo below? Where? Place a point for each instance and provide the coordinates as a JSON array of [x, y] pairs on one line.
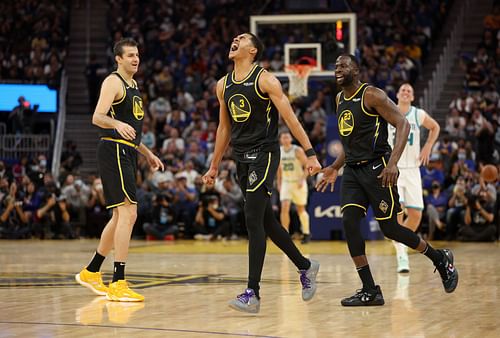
[[119, 115], [250, 99], [370, 175]]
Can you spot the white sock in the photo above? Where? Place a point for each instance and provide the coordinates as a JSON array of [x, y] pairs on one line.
[[304, 221]]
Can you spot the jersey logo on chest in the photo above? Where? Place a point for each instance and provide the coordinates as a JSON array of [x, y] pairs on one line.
[[137, 108], [239, 107], [346, 123]]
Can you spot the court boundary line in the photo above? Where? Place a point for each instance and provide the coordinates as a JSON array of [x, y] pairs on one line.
[[141, 328]]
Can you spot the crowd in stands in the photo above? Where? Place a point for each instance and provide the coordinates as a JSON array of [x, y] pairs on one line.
[[183, 47], [459, 205], [33, 40]]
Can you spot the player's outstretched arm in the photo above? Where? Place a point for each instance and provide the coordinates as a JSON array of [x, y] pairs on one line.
[[269, 84], [111, 89], [222, 137], [430, 124], [378, 100]]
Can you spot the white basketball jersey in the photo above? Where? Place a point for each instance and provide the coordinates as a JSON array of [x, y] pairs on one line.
[[409, 158], [291, 168]]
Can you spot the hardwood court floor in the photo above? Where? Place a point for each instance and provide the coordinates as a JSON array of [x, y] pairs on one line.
[[187, 285]]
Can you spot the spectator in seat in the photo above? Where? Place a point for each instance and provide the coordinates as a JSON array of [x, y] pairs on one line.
[[71, 159], [436, 203], [14, 220], [163, 218], [210, 220], [52, 219], [97, 215], [478, 219], [456, 209]]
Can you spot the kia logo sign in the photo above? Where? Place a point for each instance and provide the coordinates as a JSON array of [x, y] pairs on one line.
[[333, 211]]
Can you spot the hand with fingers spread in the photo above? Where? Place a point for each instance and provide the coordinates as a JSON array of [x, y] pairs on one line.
[[210, 176], [125, 131], [329, 177], [389, 175]]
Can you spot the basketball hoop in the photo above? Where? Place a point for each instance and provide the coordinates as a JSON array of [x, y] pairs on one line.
[[298, 74]]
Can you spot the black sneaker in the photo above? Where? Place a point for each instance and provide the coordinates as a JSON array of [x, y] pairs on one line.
[[448, 272], [364, 298], [306, 239]]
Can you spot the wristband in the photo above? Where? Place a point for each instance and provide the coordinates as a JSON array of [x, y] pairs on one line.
[[310, 152]]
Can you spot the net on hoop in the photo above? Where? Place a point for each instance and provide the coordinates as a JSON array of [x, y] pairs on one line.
[[298, 74]]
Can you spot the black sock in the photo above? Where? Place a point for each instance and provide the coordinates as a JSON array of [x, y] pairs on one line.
[[366, 277], [96, 262], [435, 256], [119, 271]]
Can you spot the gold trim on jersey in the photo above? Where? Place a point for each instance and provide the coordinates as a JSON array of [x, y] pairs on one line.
[[392, 199], [121, 174], [265, 175], [224, 87], [123, 97], [356, 92], [256, 85], [241, 110], [353, 205], [363, 105], [246, 78], [117, 140], [115, 205]]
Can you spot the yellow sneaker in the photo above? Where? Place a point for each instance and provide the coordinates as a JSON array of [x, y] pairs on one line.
[[120, 292], [92, 281]]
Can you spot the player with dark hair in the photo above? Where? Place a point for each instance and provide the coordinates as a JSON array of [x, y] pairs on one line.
[[250, 99], [370, 176], [119, 115]]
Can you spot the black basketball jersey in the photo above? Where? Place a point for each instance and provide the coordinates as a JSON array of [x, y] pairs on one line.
[[363, 133], [128, 109], [253, 116]]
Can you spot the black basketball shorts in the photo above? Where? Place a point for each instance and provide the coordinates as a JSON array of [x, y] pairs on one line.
[[256, 170], [117, 165], [361, 188]]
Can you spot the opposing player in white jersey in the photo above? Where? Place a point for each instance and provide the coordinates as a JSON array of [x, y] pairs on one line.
[[292, 185], [409, 181]]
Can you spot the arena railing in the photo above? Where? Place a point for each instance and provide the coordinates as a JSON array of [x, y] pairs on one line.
[[435, 85], [15, 146]]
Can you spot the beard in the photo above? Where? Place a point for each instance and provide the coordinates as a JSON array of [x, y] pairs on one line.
[[348, 80]]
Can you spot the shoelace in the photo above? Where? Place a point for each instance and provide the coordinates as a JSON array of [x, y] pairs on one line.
[[304, 280], [244, 297]]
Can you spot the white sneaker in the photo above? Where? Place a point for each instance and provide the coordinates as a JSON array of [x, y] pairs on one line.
[[403, 263]]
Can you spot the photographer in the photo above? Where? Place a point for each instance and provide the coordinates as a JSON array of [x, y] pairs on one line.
[[14, 221], [163, 218], [210, 220], [52, 218], [478, 219]]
